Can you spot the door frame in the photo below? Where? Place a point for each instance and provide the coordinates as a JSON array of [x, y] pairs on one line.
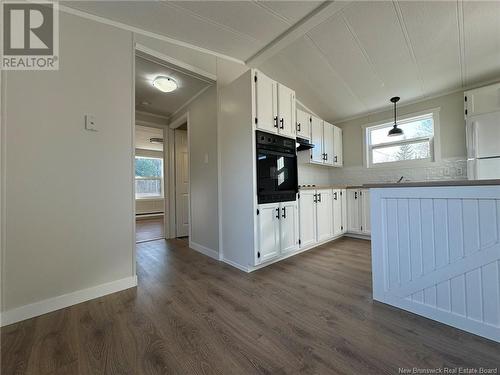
[[172, 198]]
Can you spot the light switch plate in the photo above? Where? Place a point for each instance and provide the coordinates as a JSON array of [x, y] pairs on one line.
[[90, 123]]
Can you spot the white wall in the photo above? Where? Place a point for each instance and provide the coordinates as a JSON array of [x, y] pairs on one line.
[[69, 211], [203, 173], [452, 142]]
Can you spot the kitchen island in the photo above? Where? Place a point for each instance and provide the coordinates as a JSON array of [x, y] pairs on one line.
[[436, 251]]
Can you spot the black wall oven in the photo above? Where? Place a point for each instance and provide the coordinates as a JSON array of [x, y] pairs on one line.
[[276, 168]]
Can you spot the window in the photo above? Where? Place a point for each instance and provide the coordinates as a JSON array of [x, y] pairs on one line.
[[415, 145], [148, 177]]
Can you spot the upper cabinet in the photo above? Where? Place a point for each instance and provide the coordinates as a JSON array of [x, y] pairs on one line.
[[338, 159], [327, 141], [317, 140], [303, 124], [482, 100], [274, 106]]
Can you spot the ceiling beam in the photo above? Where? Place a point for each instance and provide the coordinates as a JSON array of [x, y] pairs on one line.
[[319, 15]]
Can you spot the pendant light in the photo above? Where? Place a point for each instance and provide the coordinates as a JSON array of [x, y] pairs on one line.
[[395, 131]]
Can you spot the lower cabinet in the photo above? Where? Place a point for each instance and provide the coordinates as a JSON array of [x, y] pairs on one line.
[[307, 217], [278, 230], [358, 211], [324, 214], [338, 212]]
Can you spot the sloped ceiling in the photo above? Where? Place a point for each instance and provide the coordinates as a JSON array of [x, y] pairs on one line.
[[348, 64]]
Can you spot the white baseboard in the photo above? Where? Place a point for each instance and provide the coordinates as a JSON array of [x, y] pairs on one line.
[[204, 250], [236, 265], [52, 304]]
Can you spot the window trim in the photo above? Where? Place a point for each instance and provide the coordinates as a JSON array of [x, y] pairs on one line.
[[435, 144]]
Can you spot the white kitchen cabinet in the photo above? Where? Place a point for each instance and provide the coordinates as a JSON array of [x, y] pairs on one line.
[[338, 222], [317, 139], [328, 150], [268, 224], [338, 159], [286, 111], [358, 211], [324, 207], [266, 103], [289, 227], [343, 199], [353, 211], [307, 216], [303, 124], [275, 106], [482, 100], [365, 212]]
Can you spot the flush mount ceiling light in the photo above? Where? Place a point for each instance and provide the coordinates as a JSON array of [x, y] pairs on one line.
[[165, 84], [395, 131]]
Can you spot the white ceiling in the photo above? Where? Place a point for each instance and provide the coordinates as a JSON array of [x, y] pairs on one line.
[[143, 134], [351, 62], [151, 100]]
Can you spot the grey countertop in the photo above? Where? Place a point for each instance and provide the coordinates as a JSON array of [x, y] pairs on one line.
[[404, 184]]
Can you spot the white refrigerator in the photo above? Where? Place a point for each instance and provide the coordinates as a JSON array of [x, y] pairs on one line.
[[483, 146]]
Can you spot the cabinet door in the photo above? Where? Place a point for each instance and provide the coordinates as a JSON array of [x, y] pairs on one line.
[[289, 223], [324, 207], [286, 111], [317, 139], [337, 212], [328, 148], [337, 147], [365, 211], [266, 102], [303, 120], [268, 232], [483, 100], [307, 216], [343, 195], [353, 211]]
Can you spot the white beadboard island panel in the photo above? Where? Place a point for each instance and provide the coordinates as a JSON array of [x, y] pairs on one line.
[[436, 253]]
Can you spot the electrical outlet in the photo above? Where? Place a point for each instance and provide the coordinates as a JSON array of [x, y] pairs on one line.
[[90, 123]]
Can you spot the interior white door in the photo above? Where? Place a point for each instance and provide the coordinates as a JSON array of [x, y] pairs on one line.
[[325, 215], [328, 143], [181, 183], [337, 147], [266, 103], [307, 212], [365, 211], [268, 223], [317, 139], [337, 212], [289, 223], [286, 111], [303, 124], [353, 211]]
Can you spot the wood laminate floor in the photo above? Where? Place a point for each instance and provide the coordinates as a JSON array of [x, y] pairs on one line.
[[309, 314], [149, 229]]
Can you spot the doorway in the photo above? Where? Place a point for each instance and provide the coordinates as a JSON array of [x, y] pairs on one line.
[[181, 181]]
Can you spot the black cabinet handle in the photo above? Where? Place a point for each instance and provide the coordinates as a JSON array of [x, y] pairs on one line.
[[282, 122], [355, 195], [277, 213], [298, 126], [326, 156], [315, 198], [276, 121], [336, 159], [284, 212], [319, 197], [335, 195]]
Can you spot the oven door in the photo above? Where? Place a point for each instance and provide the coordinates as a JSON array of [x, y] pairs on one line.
[[276, 176]]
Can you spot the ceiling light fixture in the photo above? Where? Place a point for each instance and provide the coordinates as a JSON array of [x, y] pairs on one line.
[[395, 131], [165, 84]]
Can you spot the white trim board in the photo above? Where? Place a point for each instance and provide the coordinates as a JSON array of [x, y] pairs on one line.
[[204, 250], [60, 302]]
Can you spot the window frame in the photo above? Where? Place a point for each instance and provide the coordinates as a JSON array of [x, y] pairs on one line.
[[434, 141], [161, 179]]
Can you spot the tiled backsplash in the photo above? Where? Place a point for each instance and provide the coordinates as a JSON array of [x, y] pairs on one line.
[[313, 174], [447, 169]]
